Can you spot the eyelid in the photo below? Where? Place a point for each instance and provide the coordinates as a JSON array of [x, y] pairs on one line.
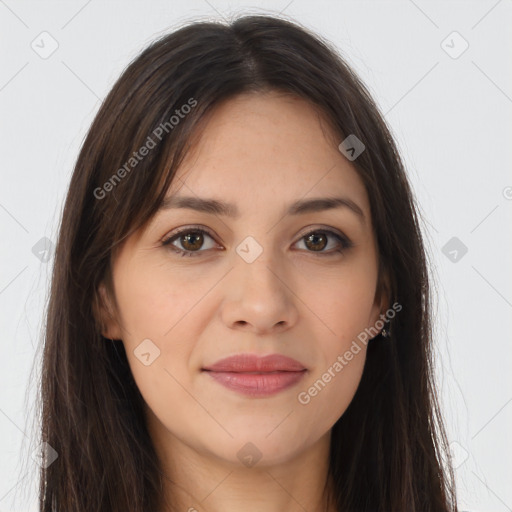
[[345, 242], [185, 229], [313, 228], [169, 237]]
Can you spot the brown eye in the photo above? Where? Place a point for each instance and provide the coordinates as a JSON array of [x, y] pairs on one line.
[[192, 241], [316, 241], [320, 239]]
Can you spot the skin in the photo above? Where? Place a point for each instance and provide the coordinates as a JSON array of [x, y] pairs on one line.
[[260, 152]]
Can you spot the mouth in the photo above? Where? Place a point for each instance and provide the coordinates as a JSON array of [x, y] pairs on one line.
[[257, 384], [256, 376]]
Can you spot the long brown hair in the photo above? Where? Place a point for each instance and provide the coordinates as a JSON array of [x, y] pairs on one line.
[[92, 412]]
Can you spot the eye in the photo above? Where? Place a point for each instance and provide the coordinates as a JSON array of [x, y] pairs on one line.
[[191, 240], [318, 239]]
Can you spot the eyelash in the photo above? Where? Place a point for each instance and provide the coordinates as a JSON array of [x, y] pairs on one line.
[[167, 242]]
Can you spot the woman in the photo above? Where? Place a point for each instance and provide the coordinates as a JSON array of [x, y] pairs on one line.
[[240, 306]]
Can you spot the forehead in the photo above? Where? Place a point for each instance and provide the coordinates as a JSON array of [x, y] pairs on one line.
[[257, 149]]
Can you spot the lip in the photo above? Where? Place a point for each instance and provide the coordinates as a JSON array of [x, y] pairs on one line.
[[255, 375], [255, 363]]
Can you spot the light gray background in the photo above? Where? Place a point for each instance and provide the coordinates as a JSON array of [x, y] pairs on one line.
[[450, 116]]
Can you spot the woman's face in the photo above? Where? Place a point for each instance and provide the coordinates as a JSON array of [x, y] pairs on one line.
[[266, 277]]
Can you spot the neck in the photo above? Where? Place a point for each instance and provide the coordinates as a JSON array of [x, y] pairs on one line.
[[197, 482]]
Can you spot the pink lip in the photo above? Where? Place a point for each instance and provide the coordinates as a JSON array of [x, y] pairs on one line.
[[254, 375]]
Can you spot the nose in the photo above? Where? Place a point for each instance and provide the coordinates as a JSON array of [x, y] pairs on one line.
[[259, 297]]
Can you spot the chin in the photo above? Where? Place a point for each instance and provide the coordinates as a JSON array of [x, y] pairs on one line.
[[258, 449]]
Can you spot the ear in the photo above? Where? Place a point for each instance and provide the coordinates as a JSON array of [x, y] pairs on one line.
[[382, 296], [105, 315]]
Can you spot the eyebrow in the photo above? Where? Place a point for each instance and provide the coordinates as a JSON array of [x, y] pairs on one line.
[[302, 206]]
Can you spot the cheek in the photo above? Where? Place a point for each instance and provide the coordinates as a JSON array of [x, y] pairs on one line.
[[342, 301], [342, 308], [330, 390], [159, 312], [154, 301]]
